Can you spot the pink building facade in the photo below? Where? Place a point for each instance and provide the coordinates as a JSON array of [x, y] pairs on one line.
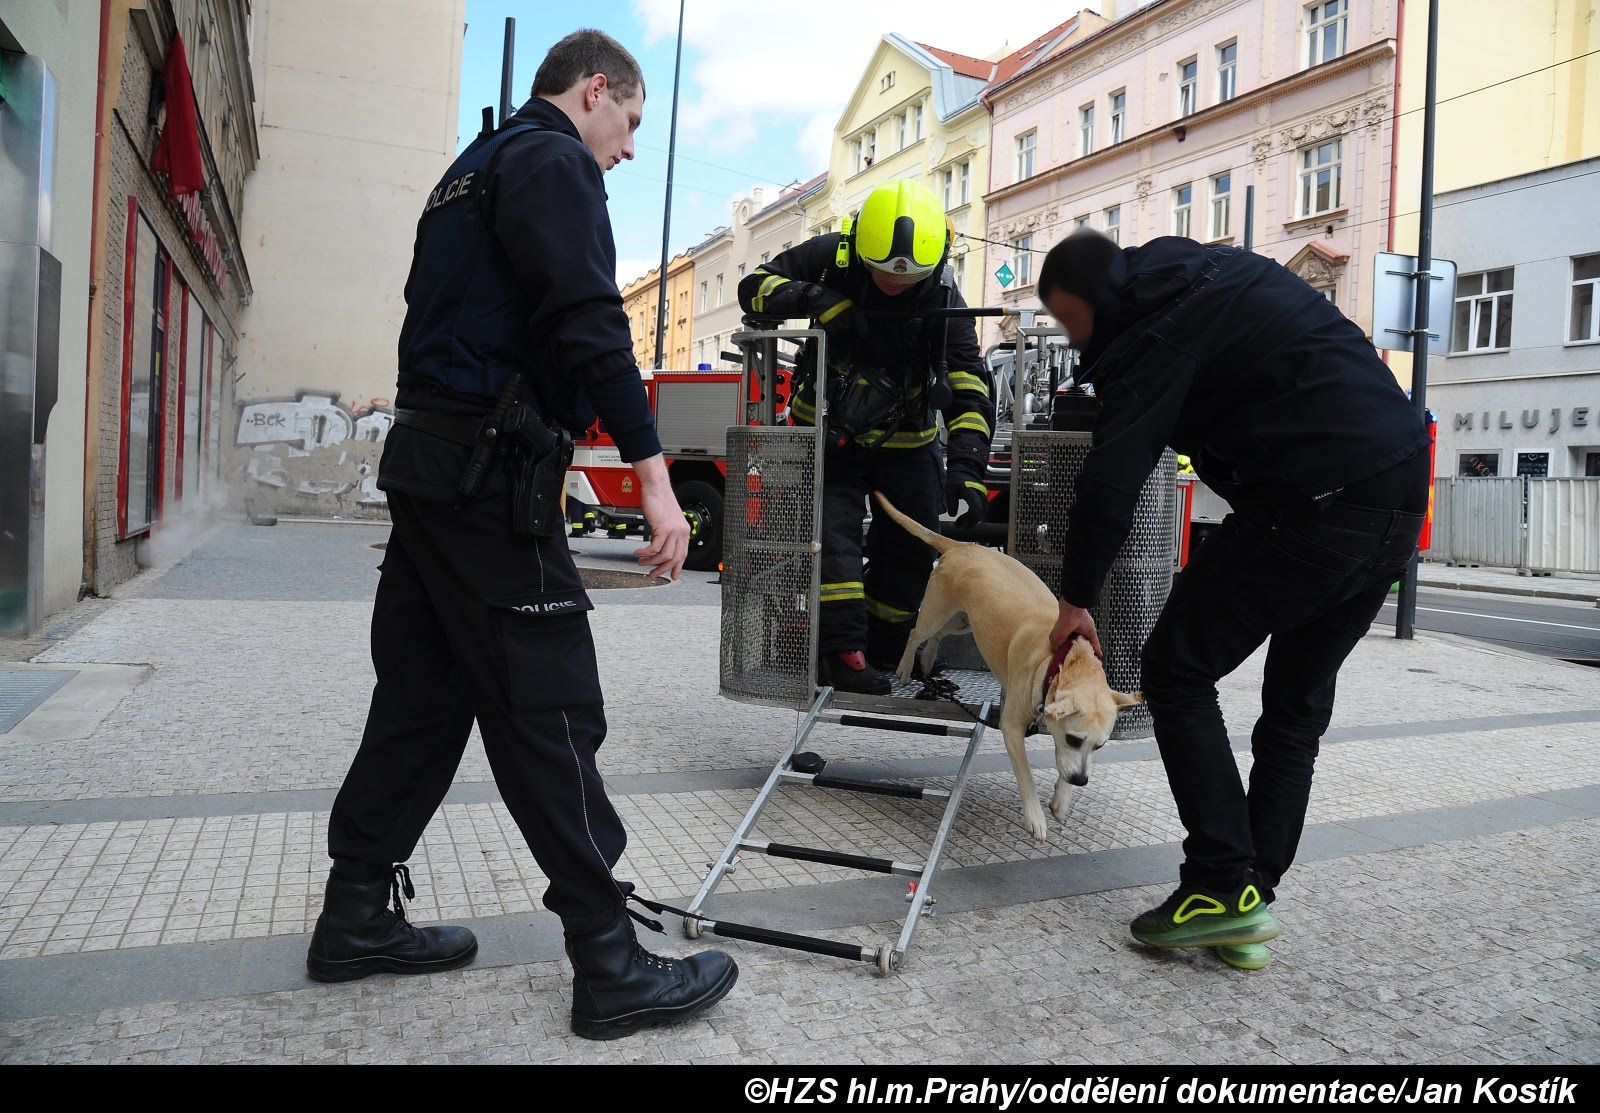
[[1159, 124]]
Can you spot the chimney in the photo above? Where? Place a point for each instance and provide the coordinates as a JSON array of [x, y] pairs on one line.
[[755, 195]]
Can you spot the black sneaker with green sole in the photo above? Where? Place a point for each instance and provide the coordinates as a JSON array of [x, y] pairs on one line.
[[1195, 917]]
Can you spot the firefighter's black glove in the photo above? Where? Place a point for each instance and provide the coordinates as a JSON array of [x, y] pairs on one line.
[[964, 492], [845, 325]]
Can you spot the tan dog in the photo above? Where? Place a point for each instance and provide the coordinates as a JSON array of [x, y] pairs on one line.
[[1010, 613]]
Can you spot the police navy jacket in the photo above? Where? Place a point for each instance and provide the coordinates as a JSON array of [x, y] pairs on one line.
[[1228, 357], [514, 269]]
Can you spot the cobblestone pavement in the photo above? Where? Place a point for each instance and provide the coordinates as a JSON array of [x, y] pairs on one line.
[[162, 818]]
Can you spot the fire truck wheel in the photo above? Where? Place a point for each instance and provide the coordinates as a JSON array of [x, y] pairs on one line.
[[702, 505]]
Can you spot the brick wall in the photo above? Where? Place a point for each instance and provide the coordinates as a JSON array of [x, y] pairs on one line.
[[130, 143]]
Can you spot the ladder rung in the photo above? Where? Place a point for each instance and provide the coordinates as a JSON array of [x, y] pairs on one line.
[[876, 788], [811, 943], [909, 726], [832, 858]]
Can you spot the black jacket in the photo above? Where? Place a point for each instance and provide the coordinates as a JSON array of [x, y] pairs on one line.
[[514, 269], [788, 286], [1273, 393]]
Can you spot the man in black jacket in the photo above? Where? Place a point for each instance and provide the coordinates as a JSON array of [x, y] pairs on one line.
[[514, 338], [1286, 411], [881, 431]]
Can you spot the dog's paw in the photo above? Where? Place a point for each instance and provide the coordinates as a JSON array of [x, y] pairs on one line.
[[1033, 820], [1061, 800]]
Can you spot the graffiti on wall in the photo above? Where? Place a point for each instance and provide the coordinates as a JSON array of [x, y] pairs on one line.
[[314, 449]]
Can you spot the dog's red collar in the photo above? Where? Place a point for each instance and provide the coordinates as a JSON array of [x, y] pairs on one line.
[[1057, 659]]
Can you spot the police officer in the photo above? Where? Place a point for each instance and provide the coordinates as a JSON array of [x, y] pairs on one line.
[[514, 335], [881, 432], [1287, 412]]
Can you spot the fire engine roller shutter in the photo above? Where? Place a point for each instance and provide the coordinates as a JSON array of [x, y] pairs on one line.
[[694, 417]]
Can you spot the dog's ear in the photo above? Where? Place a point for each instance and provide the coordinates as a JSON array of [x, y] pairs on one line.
[[1061, 706], [1123, 699]]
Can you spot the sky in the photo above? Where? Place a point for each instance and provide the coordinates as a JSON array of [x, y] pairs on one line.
[[762, 88]]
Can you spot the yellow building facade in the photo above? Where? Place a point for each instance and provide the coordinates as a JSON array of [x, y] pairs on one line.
[[1518, 91], [641, 301]]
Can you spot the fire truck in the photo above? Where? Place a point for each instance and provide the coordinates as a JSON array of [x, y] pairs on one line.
[[693, 410]]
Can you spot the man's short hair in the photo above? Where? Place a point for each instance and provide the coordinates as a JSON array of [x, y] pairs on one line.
[[579, 57], [1080, 265]]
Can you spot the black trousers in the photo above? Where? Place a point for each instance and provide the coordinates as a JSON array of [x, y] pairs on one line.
[[473, 623], [1309, 583], [875, 609]]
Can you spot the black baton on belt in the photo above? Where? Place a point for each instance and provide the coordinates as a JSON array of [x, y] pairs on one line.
[[489, 437]]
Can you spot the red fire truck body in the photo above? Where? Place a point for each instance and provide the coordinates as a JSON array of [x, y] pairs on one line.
[[693, 410]]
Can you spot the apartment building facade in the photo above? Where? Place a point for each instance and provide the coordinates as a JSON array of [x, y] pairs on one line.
[[1162, 122], [761, 227], [641, 301]]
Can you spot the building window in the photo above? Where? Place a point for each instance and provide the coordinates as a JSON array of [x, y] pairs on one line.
[[871, 147], [1585, 303], [855, 156], [765, 255], [787, 244], [741, 270], [1329, 292], [1227, 71], [1182, 198], [947, 182], [1188, 86], [702, 297], [966, 181], [961, 272], [1080, 222], [887, 83], [1327, 24], [916, 123], [144, 377], [719, 289], [1027, 142], [903, 125], [1321, 177], [1534, 464], [1086, 129], [1483, 312], [1114, 223], [1022, 259], [1119, 111], [1478, 465], [1222, 206]]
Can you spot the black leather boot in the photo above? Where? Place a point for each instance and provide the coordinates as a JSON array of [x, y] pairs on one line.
[[618, 987], [359, 934]]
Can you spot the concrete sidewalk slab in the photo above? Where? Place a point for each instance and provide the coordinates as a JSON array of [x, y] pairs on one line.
[[161, 857]]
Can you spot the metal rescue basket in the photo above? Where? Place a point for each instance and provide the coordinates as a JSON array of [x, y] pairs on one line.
[[770, 611]]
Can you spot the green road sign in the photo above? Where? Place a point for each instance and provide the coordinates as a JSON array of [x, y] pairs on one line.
[[1005, 275]]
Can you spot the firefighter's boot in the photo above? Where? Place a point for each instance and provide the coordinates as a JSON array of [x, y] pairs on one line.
[[359, 934], [848, 671], [618, 987]]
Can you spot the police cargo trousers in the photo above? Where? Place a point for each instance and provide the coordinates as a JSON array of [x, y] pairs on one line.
[[472, 623], [875, 609], [1308, 583]]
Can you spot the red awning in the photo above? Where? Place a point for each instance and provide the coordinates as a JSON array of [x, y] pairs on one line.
[[178, 150]]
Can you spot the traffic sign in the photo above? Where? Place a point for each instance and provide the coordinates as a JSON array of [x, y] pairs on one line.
[[1394, 294], [1005, 275]]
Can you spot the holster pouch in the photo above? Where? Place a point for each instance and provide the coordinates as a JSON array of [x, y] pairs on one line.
[[537, 481]]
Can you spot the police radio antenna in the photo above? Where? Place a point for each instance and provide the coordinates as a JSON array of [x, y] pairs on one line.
[[506, 57]]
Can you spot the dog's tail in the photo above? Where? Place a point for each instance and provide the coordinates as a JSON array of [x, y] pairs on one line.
[[915, 528]]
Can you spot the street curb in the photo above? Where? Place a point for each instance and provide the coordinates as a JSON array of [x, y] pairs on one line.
[[1495, 589]]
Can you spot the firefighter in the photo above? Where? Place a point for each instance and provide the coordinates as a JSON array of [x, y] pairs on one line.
[[514, 338], [882, 432], [1287, 412]]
